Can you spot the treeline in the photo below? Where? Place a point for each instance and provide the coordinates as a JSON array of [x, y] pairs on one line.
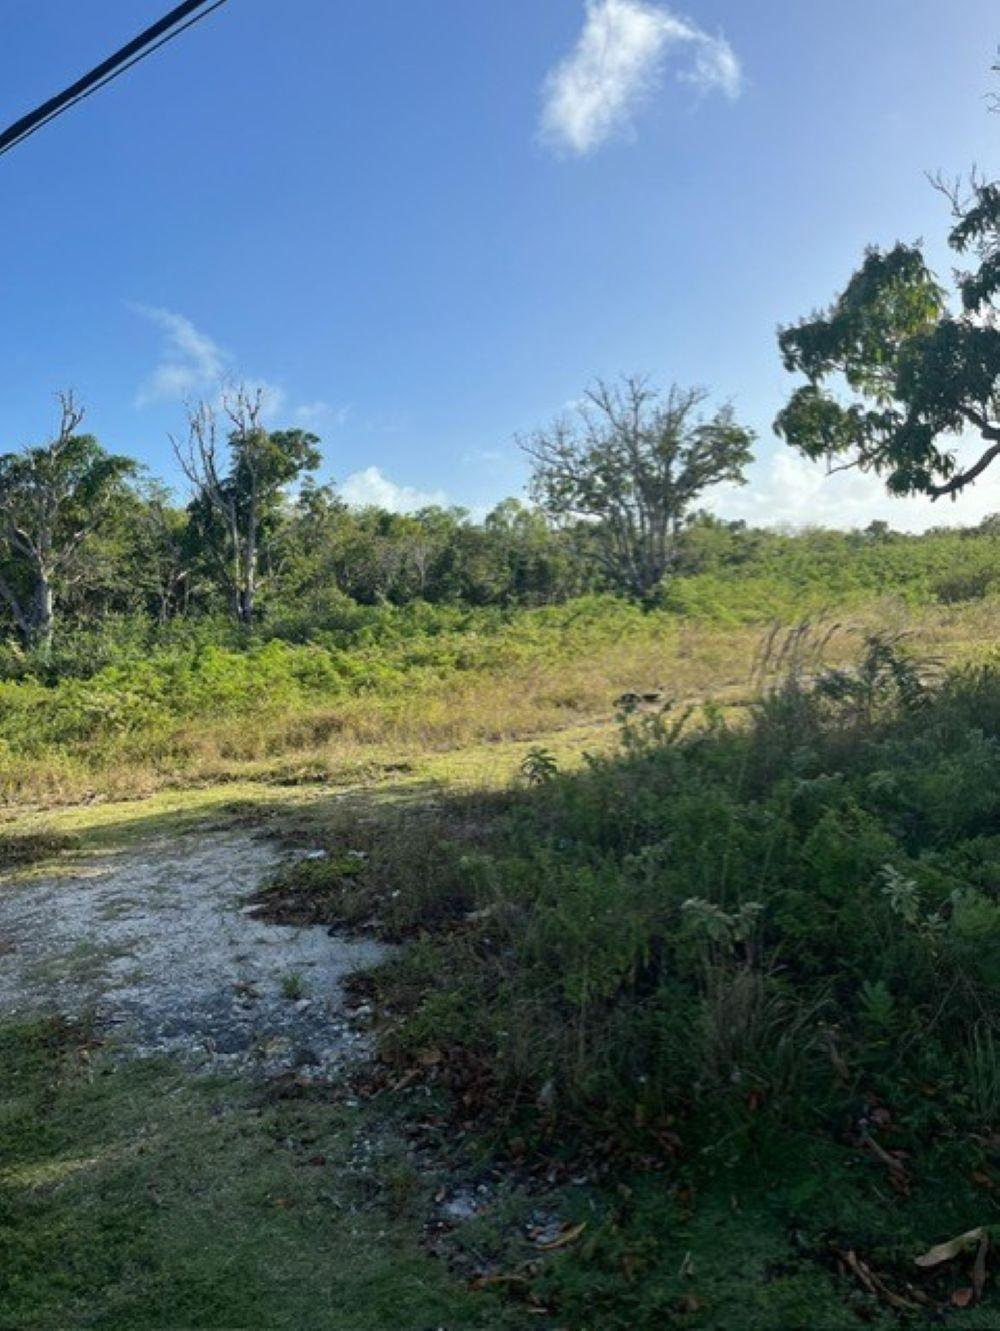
[[84, 537], [86, 542]]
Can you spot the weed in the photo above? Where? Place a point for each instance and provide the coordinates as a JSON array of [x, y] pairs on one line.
[[538, 766], [20, 848], [292, 985]]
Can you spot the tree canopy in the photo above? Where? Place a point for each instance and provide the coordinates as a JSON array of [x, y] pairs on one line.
[[924, 370], [634, 461], [53, 498]]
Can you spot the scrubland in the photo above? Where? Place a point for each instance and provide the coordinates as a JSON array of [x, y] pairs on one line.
[[697, 918]]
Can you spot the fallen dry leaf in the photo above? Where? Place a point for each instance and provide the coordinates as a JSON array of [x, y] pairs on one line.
[[490, 1281], [961, 1298], [944, 1252], [875, 1285]]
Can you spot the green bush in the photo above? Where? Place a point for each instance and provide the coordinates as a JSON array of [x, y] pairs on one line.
[[674, 933]]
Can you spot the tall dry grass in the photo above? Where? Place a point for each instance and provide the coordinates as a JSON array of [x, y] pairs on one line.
[[563, 686]]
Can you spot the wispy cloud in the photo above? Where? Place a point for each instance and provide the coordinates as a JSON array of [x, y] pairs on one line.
[[190, 361], [318, 413], [619, 60], [371, 487], [193, 365], [489, 456]]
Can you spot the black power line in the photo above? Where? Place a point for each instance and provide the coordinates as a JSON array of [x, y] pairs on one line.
[[148, 41]]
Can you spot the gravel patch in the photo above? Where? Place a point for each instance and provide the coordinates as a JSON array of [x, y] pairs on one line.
[[158, 945]]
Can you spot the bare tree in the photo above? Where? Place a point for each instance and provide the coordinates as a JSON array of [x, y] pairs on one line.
[[238, 497], [52, 498], [634, 461]]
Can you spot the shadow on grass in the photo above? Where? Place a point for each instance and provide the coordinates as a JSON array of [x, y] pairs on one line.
[[137, 1197]]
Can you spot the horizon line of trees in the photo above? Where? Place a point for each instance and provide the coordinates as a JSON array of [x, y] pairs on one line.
[[83, 532], [899, 373]]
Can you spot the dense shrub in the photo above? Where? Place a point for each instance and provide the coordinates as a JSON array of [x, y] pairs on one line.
[[742, 976], [703, 921]]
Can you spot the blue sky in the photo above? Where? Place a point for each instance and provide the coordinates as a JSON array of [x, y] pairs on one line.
[[426, 226]]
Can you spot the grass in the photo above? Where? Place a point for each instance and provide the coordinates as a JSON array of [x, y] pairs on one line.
[[285, 716], [137, 1197], [38, 832], [293, 985], [759, 962], [18, 849], [718, 985]]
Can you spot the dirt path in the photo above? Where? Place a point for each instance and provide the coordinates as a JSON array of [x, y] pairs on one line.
[[157, 944]]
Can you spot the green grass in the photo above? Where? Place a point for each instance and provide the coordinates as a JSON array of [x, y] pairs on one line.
[[351, 704], [733, 968], [759, 960], [139, 1197]]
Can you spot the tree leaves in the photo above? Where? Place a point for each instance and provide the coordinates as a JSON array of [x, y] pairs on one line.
[[929, 376]]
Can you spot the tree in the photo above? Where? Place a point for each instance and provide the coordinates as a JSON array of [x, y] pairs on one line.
[[923, 376], [634, 462], [236, 507], [53, 499], [163, 552]]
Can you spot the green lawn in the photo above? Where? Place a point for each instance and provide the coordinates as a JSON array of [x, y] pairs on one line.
[[140, 1197]]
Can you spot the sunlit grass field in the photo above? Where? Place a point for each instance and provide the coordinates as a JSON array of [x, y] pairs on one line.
[[318, 712]]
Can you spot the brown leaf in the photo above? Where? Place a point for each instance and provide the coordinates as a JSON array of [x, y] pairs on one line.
[[897, 1170], [944, 1252], [484, 1282], [961, 1298], [407, 1079]]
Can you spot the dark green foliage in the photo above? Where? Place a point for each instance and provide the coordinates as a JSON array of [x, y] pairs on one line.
[[736, 953], [923, 375], [54, 499]]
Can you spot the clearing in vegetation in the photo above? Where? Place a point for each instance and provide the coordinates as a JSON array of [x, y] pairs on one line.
[[700, 1031]]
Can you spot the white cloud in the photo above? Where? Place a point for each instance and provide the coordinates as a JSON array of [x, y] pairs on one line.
[[617, 63], [371, 487], [193, 365], [789, 490], [190, 362], [716, 67], [316, 413]]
